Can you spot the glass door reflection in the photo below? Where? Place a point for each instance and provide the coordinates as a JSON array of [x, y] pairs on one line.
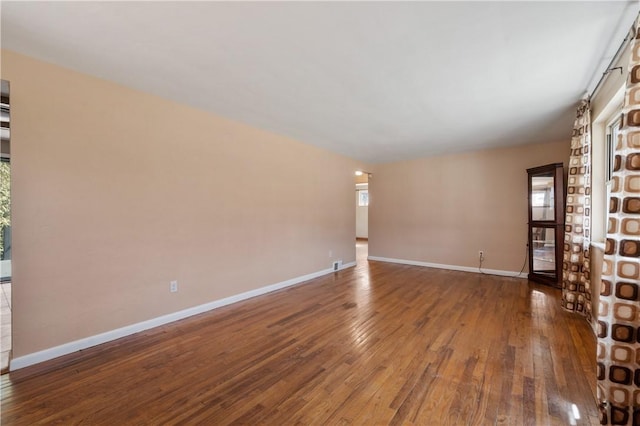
[[546, 223], [542, 198], [544, 250]]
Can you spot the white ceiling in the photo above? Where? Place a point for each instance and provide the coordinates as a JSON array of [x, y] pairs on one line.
[[376, 81]]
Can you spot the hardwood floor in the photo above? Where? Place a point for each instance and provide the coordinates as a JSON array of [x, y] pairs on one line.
[[377, 344]]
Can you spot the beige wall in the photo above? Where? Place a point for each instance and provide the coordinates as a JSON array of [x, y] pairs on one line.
[[363, 178], [611, 84], [452, 206], [117, 192]]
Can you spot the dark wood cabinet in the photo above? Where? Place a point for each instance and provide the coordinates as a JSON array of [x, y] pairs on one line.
[[546, 223]]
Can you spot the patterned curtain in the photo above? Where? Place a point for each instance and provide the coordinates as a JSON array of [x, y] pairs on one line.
[[576, 283], [619, 312]]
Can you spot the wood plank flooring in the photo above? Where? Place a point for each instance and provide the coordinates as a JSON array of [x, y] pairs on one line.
[[377, 344]]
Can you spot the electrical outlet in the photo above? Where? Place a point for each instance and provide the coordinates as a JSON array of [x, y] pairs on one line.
[[481, 255], [330, 253], [173, 286]]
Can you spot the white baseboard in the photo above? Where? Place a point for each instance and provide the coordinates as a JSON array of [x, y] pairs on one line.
[[512, 274], [87, 342]]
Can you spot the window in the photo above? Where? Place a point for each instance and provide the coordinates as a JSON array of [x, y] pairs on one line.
[[363, 198], [605, 130], [613, 128]]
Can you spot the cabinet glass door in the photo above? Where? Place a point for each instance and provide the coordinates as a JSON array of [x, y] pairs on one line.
[[544, 250], [542, 198], [546, 223]]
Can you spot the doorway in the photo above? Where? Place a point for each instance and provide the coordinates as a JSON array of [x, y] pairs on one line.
[[5, 229], [362, 216]]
